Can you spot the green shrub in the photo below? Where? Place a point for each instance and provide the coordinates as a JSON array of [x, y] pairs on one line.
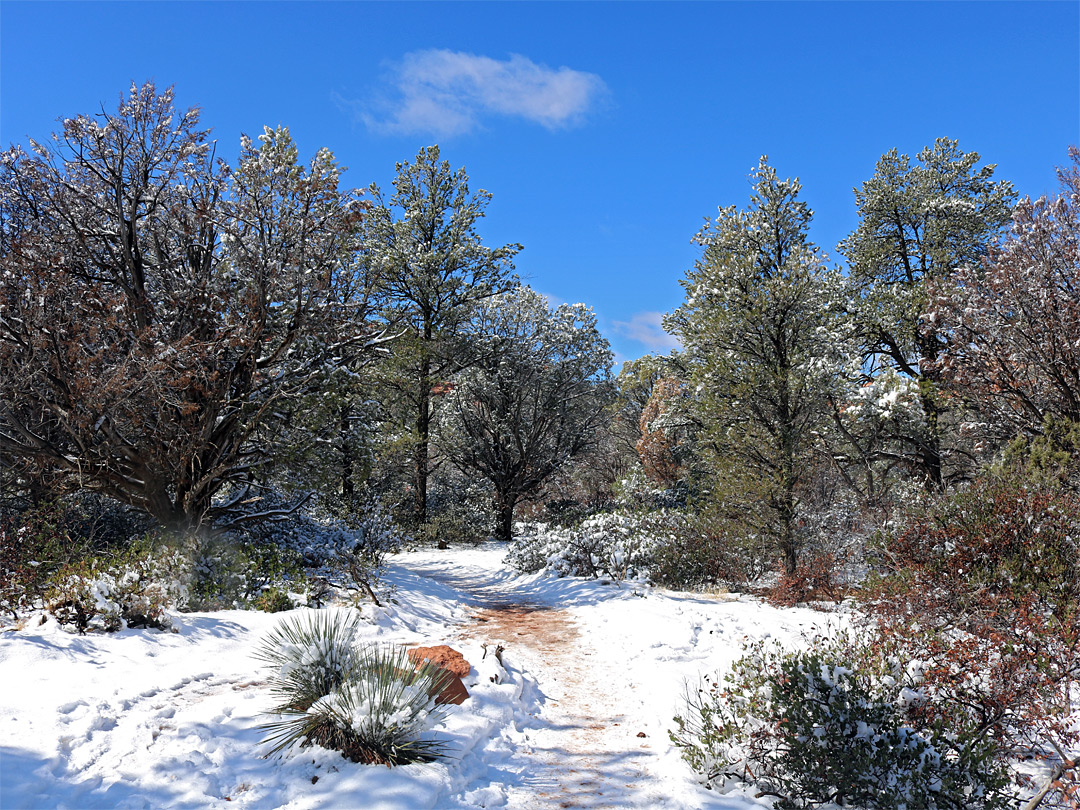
[[37, 542], [223, 572], [133, 589], [273, 600], [451, 529], [370, 702], [32, 548], [703, 550], [811, 729]]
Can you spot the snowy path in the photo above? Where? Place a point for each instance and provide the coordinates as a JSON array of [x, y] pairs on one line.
[[149, 719], [585, 750]]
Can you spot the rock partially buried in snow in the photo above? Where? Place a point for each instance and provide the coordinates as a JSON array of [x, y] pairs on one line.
[[453, 663]]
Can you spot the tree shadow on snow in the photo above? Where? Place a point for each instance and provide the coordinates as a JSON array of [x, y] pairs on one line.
[[29, 781]]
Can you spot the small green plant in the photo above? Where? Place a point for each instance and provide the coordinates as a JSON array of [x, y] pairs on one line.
[[368, 701], [273, 600], [812, 729], [224, 572]]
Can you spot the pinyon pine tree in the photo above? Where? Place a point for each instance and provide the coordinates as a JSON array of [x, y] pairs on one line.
[[424, 240], [763, 338], [919, 221], [533, 399]]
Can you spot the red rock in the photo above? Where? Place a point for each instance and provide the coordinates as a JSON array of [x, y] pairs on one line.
[[452, 663]]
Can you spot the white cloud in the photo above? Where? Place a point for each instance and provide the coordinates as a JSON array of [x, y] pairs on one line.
[[443, 93], [647, 328]]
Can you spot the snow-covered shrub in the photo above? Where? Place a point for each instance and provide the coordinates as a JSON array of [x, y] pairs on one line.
[[616, 545], [223, 572], [459, 510], [35, 543], [273, 600], [368, 701], [358, 557], [295, 551], [134, 590], [983, 586], [351, 550], [635, 492], [812, 729]]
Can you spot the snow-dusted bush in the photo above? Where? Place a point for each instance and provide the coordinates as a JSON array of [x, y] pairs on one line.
[[273, 600], [134, 590], [37, 542], [702, 550], [368, 701], [984, 587], [224, 572], [615, 545], [287, 551], [812, 729], [459, 509], [358, 557], [670, 548]]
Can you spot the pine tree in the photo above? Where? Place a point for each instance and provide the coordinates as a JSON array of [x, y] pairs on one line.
[[919, 222], [762, 336], [424, 241], [532, 400]]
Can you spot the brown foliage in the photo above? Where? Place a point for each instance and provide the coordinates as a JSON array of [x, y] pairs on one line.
[[983, 589], [655, 448], [157, 308], [814, 579], [1014, 323]]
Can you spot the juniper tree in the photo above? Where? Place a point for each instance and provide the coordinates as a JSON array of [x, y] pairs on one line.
[[531, 401], [159, 312]]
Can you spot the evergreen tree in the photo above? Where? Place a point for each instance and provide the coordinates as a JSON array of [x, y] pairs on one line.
[[532, 400], [159, 314], [919, 222], [424, 241], [762, 338]]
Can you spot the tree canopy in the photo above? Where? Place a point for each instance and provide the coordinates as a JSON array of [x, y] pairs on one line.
[[532, 399], [156, 307]]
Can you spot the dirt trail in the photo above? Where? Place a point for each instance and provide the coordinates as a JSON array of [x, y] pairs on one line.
[[584, 752]]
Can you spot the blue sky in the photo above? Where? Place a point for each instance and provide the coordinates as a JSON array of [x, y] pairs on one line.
[[605, 131]]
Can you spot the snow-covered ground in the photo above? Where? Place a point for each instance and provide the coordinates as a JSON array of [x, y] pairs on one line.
[[577, 717]]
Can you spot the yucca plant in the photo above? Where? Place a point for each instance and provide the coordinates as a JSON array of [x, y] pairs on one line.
[[368, 701], [311, 654]]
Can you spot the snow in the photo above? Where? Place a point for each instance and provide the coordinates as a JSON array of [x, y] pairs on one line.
[[152, 719]]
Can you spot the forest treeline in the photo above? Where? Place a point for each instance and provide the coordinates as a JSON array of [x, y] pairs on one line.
[[218, 346]]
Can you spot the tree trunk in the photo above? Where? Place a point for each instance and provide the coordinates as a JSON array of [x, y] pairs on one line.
[[930, 449], [789, 477], [420, 451], [504, 512], [348, 456], [788, 540]]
